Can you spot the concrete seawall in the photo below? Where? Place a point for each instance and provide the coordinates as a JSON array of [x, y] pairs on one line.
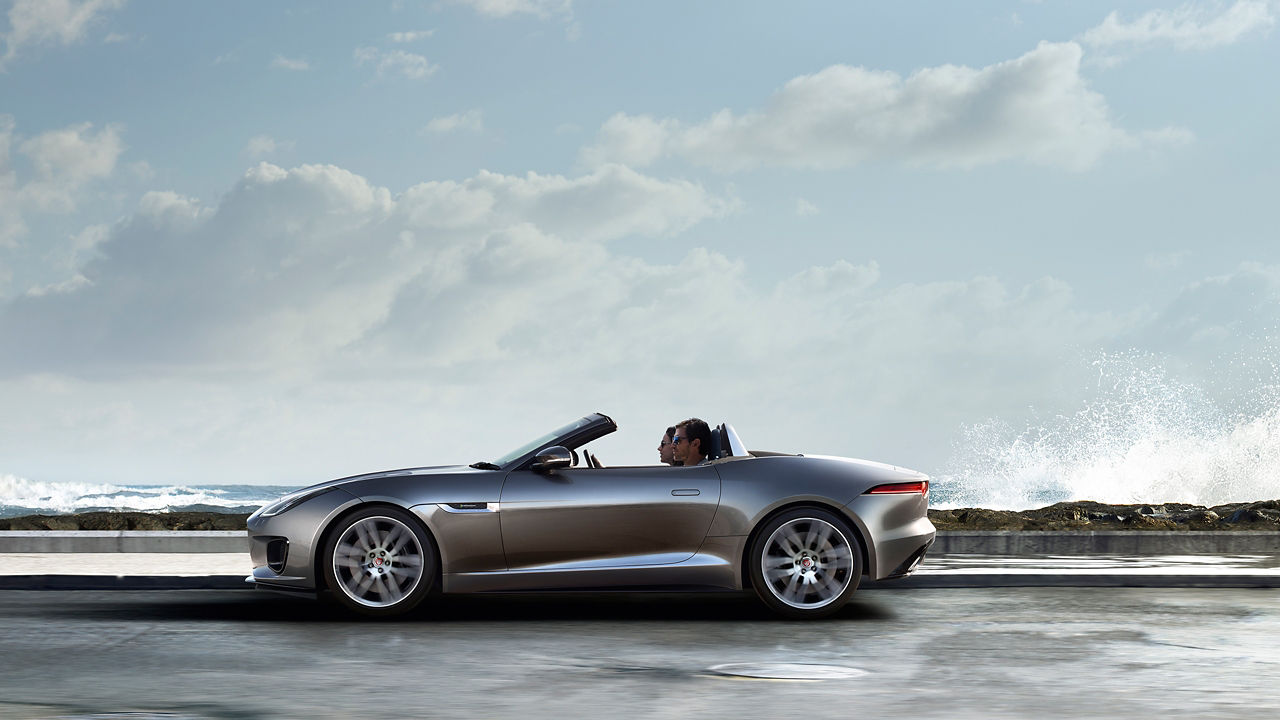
[[123, 541], [965, 542], [1143, 542]]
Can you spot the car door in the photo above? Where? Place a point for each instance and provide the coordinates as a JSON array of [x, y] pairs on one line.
[[606, 517]]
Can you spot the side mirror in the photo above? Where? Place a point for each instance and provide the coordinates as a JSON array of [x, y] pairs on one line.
[[552, 458]]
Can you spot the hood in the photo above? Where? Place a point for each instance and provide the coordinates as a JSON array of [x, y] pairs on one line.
[[429, 470]]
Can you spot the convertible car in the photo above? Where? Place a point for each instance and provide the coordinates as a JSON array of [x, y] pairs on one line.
[[801, 531]]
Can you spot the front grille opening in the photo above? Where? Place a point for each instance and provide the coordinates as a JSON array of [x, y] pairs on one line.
[[277, 554]]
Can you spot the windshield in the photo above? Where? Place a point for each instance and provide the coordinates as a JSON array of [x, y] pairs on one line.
[[544, 440]]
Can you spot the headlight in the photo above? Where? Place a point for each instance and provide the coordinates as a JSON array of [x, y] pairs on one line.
[[288, 502]]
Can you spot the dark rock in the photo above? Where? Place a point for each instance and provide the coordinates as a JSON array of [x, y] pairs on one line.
[[1089, 515], [107, 520]]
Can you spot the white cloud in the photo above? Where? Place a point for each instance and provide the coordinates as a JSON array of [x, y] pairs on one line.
[[11, 224], [410, 36], [294, 64], [309, 296], [50, 22], [507, 8], [542, 9], [62, 163], [1037, 108], [263, 145], [410, 65], [299, 264], [1210, 312], [470, 121], [1190, 27], [142, 170], [804, 208], [161, 205], [64, 160]]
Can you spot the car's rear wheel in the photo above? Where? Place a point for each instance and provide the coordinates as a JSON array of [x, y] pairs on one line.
[[379, 561], [805, 563]]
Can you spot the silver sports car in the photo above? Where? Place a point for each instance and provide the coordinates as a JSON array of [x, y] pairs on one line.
[[799, 530]]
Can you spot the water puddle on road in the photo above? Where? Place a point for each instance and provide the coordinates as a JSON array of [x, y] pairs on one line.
[[787, 671], [132, 715]]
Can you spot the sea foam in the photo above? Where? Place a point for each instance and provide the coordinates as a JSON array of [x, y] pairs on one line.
[[20, 496], [1144, 437]]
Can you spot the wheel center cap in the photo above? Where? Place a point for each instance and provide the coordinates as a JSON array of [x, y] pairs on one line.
[[807, 562], [377, 561]]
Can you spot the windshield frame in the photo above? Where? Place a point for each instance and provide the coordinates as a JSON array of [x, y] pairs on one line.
[[572, 435]]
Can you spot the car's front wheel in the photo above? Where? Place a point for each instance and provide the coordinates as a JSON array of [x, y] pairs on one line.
[[379, 561], [805, 563]]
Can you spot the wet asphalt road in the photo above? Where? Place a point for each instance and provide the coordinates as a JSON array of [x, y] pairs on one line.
[[944, 653]]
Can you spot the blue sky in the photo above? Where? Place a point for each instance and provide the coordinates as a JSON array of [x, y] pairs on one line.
[[277, 242]]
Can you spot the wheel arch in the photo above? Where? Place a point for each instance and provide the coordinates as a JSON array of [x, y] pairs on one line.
[[863, 545]]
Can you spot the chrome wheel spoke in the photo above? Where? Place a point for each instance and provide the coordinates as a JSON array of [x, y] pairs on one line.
[[778, 573], [827, 586], [393, 586], [792, 588], [836, 554], [392, 541], [823, 537], [788, 545], [366, 542], [809, 537], [363, 586]]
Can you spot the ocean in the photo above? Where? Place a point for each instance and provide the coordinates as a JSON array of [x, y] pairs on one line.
[[20, 496]]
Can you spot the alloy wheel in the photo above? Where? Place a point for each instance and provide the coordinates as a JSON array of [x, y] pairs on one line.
[[807, 563], [378, 561]]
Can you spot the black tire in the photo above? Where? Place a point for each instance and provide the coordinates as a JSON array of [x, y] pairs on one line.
[[805, 563], [379, 561]]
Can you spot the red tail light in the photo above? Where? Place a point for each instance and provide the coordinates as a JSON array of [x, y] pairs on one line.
[[920, 486]]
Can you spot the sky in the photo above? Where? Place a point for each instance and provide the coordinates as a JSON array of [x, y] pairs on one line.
[[247, 242]]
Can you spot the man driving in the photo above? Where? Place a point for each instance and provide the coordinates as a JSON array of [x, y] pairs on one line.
[[691, 443]]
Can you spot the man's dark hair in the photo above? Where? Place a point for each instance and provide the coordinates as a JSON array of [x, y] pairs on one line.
[[696, 429], [671, 431]]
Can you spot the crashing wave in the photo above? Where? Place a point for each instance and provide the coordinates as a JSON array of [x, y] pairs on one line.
[[1144, 438], [20, 496]]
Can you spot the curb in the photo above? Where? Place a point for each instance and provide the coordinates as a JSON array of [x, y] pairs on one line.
[[998, 580], [123, 582], [1106, 542], [123, 541]]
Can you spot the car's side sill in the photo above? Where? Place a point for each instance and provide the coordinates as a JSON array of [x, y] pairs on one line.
[[702, 570]]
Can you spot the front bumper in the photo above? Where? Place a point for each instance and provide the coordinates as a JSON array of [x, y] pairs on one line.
[[284, 547]]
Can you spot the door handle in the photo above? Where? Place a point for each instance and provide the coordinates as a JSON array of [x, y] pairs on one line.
[[686, 491]]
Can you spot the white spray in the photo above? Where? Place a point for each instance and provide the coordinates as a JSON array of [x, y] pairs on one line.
[[1143, 438]]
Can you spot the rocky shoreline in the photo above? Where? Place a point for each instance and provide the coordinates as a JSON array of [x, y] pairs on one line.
[[1065, 516], [109, 520], [1088, 515]]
